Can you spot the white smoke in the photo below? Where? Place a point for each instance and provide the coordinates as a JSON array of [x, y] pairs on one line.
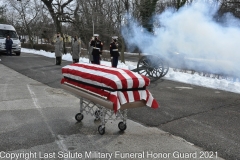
[[192, 31]]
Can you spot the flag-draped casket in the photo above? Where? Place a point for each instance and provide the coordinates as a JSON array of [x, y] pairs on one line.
[[119, 86]]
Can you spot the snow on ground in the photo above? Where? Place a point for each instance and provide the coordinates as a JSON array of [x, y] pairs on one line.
[[193, 79]]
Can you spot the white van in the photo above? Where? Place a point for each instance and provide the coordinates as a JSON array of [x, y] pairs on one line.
[[6, 30]]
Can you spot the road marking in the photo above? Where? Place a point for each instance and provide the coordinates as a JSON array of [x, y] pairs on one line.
[[184, 87], [58, 139]]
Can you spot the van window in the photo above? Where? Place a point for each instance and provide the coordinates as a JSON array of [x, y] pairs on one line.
[[5, 33]]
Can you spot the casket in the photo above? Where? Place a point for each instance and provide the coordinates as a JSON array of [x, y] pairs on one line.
[[119, 86]]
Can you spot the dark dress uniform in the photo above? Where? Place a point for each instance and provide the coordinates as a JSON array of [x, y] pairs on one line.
[[96, 50], [8, 44], [114, 53]]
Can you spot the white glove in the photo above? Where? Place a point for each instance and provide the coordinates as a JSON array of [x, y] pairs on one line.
[[111, 57]]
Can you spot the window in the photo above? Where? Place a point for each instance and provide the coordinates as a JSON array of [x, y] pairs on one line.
[[5, 33]]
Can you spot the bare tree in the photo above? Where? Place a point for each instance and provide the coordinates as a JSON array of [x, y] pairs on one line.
[[84, 18], [61, 12], [3, 14], [25, 14], [232, 6]]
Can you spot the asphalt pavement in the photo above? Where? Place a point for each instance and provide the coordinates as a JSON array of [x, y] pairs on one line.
[[38, 117]]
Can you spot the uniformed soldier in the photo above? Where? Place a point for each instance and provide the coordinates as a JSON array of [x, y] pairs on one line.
[[76, 49], [114, 51], [58, 49], [97, 49]]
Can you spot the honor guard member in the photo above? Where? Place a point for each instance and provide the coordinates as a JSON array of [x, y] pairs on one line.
[[114, 52], [58, 49], [97, 49], [76, 49]]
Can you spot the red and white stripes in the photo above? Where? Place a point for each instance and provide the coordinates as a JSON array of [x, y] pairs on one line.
[[112, 78], [104, 76]]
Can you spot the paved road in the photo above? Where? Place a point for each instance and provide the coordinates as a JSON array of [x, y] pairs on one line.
[[206, 117], [37, 123]]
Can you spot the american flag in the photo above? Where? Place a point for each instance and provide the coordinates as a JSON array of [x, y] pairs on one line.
[[119, 86]]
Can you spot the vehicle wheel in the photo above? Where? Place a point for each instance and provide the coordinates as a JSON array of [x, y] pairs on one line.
[[79, 117], [122, 126], [165, 68], [101, 130], [18, 53], [150, 66], [143, 65]]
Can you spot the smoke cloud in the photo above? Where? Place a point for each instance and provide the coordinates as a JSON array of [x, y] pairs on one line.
[[194, 34]]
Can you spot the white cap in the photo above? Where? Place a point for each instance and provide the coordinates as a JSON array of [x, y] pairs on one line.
[[114, 37], [95, 35]]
